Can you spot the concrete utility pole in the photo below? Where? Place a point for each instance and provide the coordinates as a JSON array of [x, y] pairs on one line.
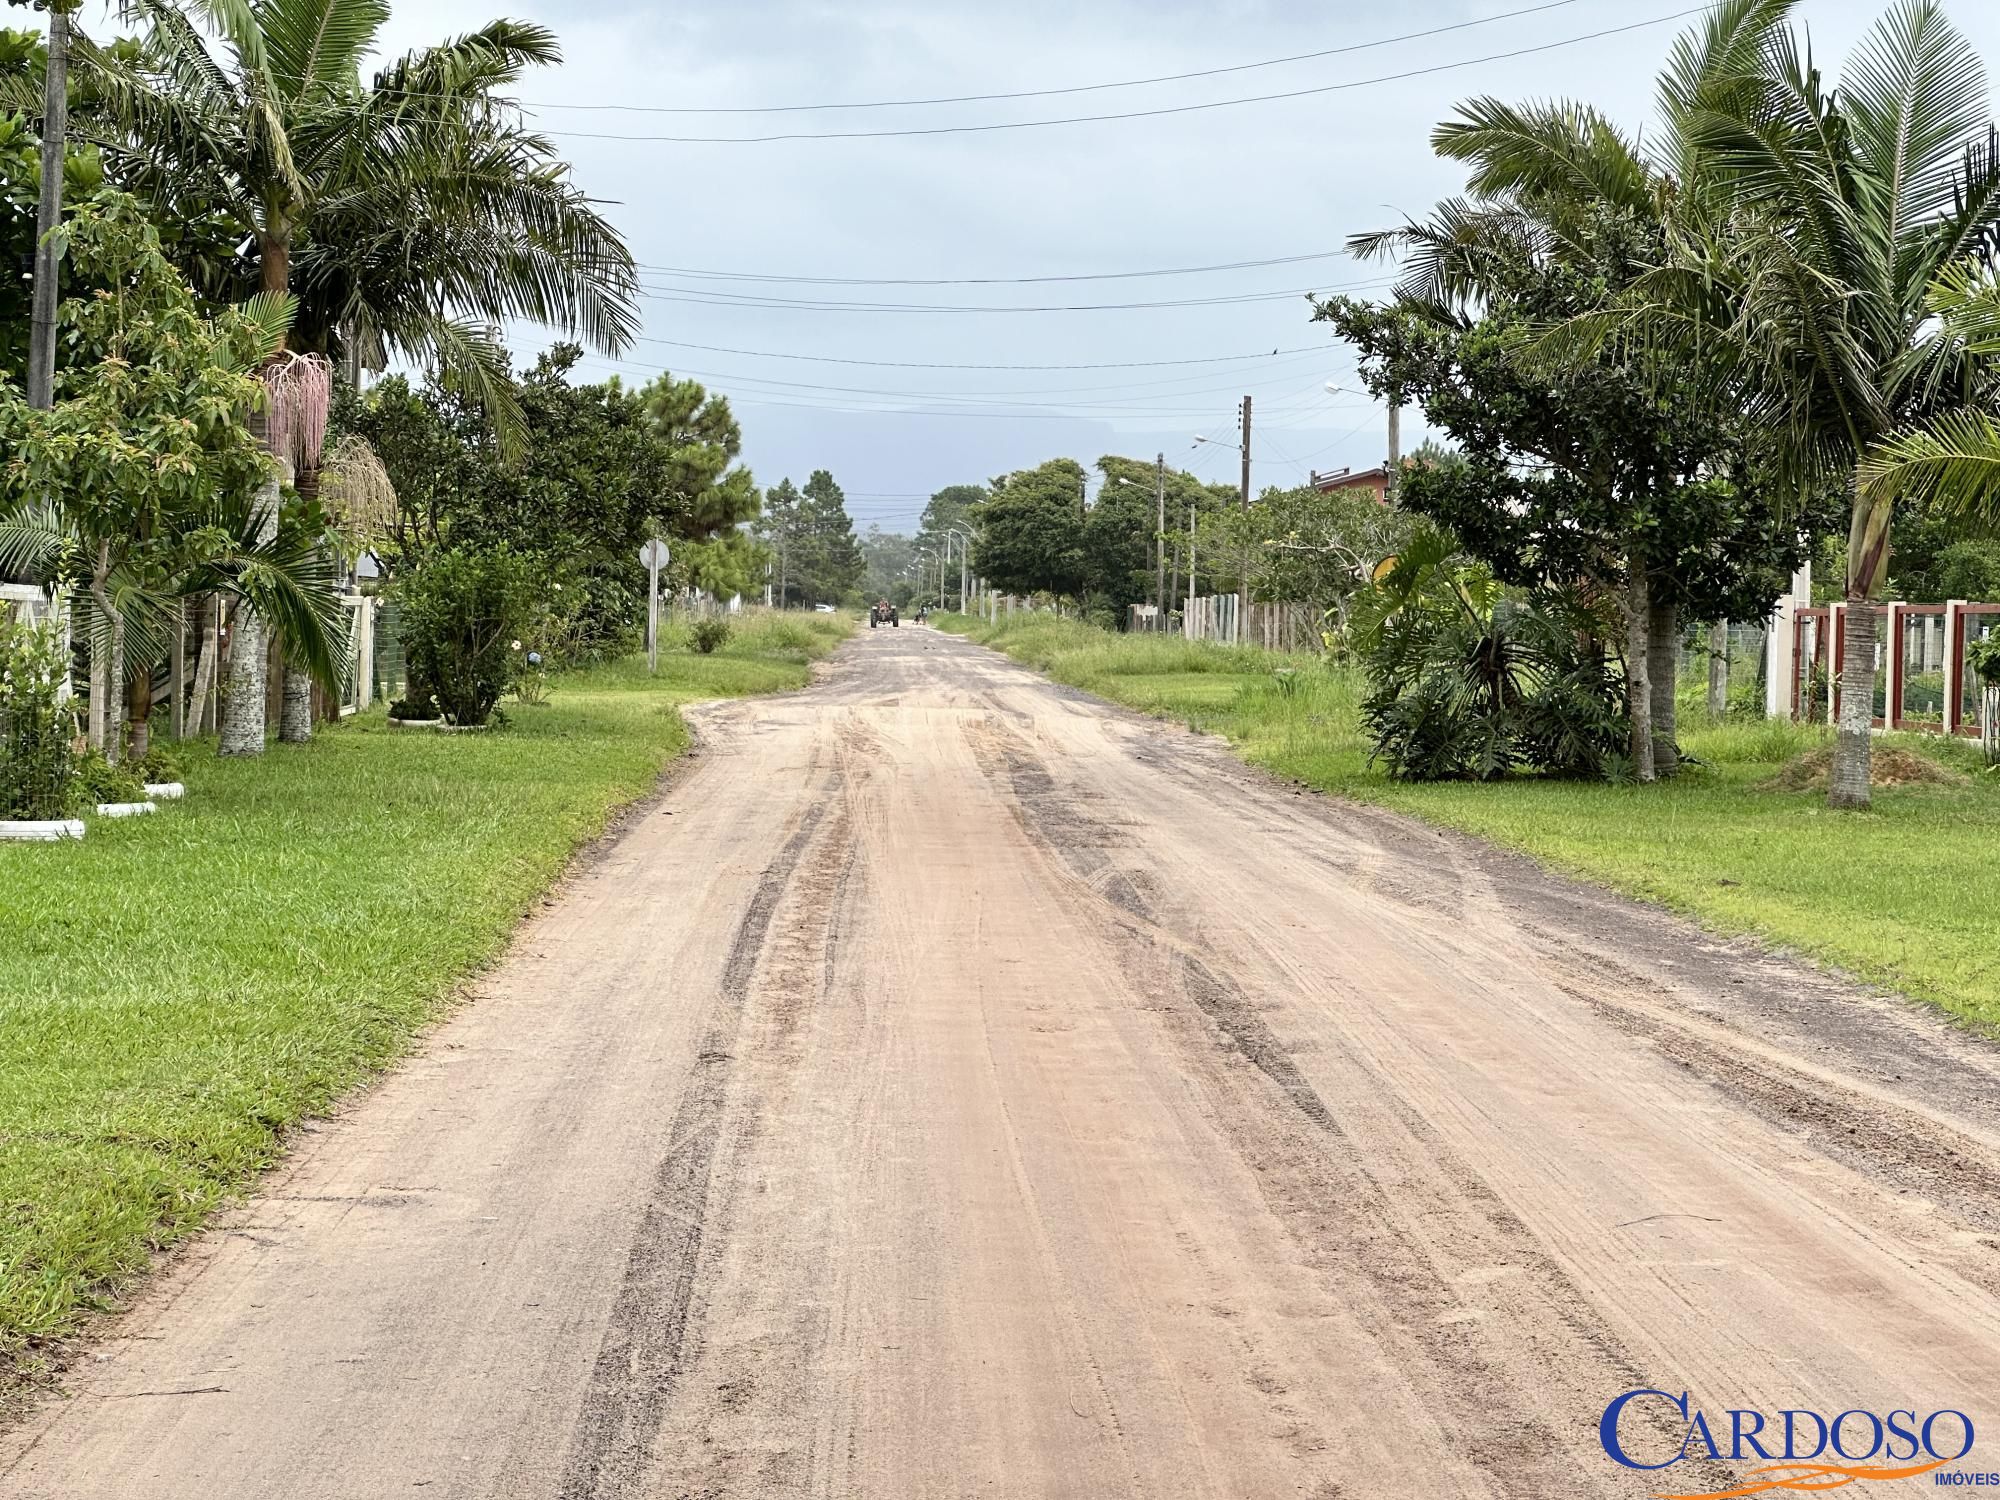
[[1395, 474], [1192, 590], [1243, 575], [48, 213], [1160, 541]]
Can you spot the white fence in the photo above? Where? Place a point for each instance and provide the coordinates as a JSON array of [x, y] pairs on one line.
[[1275, 627]]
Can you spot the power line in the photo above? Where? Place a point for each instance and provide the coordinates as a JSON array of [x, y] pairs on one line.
[[1239, 265], [1141, 390], [1080, 88], [726, 383], [703, 297], [1135, 114], [904, 364]]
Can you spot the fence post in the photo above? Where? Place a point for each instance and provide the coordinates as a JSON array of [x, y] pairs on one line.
[[1954, 663], [1892, 660], [365, 661]]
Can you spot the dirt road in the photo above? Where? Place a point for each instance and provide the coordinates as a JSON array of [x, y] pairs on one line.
[[954, 1087]]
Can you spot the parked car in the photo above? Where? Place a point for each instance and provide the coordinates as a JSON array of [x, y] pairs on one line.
[[823, 609]]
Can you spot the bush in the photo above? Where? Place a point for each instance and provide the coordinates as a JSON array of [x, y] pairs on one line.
[[97, 780], [708, 635], [1462, 693], [159, 764], [465, 611], [37, 725]]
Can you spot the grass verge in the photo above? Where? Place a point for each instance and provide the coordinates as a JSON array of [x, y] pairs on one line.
[[176, 990], [1901, 895]]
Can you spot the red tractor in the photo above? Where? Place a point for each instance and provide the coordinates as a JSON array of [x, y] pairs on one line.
[[882, 612]]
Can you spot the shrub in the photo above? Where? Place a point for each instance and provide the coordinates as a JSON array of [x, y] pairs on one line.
[[708, 635], [1464, 690], [97, 780], [1983, 656], [37, 724], [159, 764], [465, 611]]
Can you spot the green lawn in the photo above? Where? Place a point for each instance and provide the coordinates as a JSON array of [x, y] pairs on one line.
[[177, 989], [1902, 895]]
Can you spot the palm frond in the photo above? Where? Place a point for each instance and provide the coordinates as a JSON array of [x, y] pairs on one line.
[[1549, 152], [1914, 98], [315, 47], [1951, 463], [471, 360]]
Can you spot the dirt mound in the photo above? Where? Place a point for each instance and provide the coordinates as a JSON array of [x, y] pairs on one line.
[[1886, 767]]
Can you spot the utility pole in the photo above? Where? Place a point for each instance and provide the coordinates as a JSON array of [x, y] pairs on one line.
[[1395, 474], [1192, 590], [1160, 541], [1243, 576], [48, 212], [1082, 493]]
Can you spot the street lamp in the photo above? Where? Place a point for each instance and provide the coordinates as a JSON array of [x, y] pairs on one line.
[[964, 560]]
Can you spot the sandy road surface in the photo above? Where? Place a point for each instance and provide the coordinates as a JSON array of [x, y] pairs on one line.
[[956, 1088]]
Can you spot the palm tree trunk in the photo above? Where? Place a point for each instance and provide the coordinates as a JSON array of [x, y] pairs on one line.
[[100, 635], [295, 715], [1867, 570], [243, 701], [1663, 652], [1638, 667], [114, 696], [139, 714]]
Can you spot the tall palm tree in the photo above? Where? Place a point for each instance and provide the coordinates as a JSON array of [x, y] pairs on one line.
[[1804, 278], [411, 216]]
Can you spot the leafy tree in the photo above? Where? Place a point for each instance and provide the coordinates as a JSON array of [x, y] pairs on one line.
[[1612, 463], [889, 556], [952, 506], [778, 528], [1030, 537], [827, 559], [1820, 276], [409, 218], [1119, 530], [606, 468], [1314, 547], [143, 485]]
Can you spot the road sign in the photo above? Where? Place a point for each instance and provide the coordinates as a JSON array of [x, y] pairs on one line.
[[653, 557]]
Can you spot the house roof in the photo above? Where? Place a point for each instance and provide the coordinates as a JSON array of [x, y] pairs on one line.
[[1376, 478]]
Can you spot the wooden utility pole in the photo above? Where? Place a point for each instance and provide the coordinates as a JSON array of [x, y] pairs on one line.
[[1160, 541], [48, 213]]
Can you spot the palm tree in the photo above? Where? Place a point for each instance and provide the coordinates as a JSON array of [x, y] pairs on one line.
[[1951, 462], [410, 217], [140, 486], [1805, 277]]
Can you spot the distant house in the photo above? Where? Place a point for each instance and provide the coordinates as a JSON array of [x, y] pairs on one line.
[[1375, 481]]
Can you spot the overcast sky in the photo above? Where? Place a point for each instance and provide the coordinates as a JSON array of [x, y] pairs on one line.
[[1251, 182]]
